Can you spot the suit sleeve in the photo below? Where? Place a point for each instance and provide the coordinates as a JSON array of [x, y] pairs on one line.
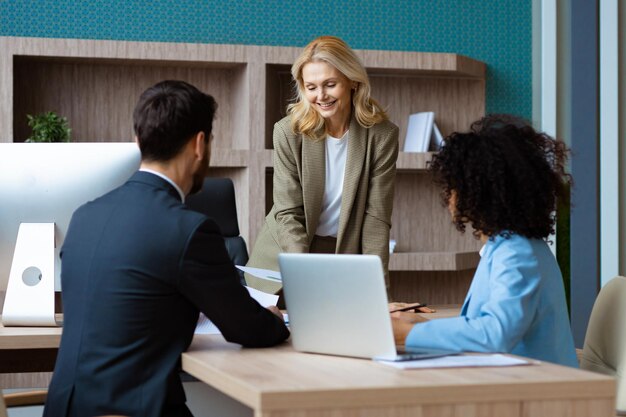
[[502, 321], [377, 219], [288, 198], [209, 279]]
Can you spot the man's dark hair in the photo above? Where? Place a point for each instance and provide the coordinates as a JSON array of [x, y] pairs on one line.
[[506, 177], [167, 115]]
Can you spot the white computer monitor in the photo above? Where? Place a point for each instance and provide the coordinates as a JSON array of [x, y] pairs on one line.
[[42, 184]]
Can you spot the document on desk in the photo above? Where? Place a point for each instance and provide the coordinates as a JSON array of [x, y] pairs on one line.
[[206, 326], [459, 361], [262, 273]]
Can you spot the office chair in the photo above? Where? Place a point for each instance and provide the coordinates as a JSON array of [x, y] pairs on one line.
[[604, 350], [217, 200]]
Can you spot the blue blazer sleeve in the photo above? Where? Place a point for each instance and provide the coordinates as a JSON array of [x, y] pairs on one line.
[[501, 304]]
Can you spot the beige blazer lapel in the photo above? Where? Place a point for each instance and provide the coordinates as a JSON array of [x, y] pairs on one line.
[[313, 181], [357, 145]]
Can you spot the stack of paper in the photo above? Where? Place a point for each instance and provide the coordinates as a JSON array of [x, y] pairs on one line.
[[422, 133], [459, 361]]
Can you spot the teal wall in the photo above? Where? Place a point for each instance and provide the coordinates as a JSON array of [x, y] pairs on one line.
[[497, 32]]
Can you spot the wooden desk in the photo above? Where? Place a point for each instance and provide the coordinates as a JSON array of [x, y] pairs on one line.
[[280, 382], [29, 338], [27, 355]]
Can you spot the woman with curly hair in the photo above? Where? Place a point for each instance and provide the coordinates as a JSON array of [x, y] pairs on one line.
[[334, 164], [503, 179]]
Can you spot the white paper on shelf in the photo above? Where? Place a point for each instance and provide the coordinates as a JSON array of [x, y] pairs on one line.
[[419, 131], [262, 273], [459, 361], [206, 326], [437, 138]]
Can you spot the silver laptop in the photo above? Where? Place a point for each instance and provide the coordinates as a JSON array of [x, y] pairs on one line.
[[337, 305]]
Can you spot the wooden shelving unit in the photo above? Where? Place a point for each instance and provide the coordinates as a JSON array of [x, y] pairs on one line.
[[433, 261], [413, 161], [95, 84]]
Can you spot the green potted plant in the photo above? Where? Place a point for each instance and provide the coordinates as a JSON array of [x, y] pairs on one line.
[[48, 127]]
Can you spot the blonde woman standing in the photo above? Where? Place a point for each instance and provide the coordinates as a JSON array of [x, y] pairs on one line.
[[334, 164]]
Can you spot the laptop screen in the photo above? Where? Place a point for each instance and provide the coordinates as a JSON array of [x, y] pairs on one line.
[[337, 304]]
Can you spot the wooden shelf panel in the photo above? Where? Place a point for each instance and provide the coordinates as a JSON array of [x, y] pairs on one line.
[[267, 158], [197, 54], [433, 261], [397, 62], [229, 158], [413, 161], [421, 63]]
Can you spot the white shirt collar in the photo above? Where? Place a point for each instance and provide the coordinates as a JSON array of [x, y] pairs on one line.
[[168, 179], [482, 250]]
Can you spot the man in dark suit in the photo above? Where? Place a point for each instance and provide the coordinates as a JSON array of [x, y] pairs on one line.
[[138, 266]]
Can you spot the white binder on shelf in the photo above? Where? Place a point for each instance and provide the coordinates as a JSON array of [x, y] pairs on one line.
[[436, 139], [422, 133]]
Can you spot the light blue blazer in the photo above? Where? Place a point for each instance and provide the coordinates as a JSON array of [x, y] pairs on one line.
[[515, 304]]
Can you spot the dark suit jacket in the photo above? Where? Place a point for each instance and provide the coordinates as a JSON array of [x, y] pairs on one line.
[[138, 266]]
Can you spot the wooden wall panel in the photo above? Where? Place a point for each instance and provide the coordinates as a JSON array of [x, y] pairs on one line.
[[420, 223], [430, 287]]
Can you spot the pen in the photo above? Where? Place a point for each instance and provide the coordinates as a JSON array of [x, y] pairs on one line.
[[414, 306]]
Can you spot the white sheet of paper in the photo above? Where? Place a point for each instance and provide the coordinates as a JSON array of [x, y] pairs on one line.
[[262, 273], [206, 326], [459, 361], [263, 298]]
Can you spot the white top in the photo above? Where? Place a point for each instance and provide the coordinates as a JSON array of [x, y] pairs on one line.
[[336, 154], [168, 179]]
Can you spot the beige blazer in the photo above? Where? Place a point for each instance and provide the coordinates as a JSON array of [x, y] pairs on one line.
[[299, 180]]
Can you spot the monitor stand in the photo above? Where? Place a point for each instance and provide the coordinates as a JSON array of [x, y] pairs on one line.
[[29, 299]]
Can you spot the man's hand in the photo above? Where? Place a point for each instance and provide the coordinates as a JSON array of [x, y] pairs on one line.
[[276, 311], [402, 324]]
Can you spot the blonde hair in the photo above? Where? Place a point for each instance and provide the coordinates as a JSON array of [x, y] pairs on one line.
[[305, 119]]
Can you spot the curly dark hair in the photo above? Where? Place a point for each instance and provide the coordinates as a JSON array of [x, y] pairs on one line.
[[506, 177]]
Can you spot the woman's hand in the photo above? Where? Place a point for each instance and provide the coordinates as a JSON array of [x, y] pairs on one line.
[[402, 324]]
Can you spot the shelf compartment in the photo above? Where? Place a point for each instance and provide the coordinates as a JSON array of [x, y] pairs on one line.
[[98, 96], [433, 261], [228, 158], [413, 161]]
